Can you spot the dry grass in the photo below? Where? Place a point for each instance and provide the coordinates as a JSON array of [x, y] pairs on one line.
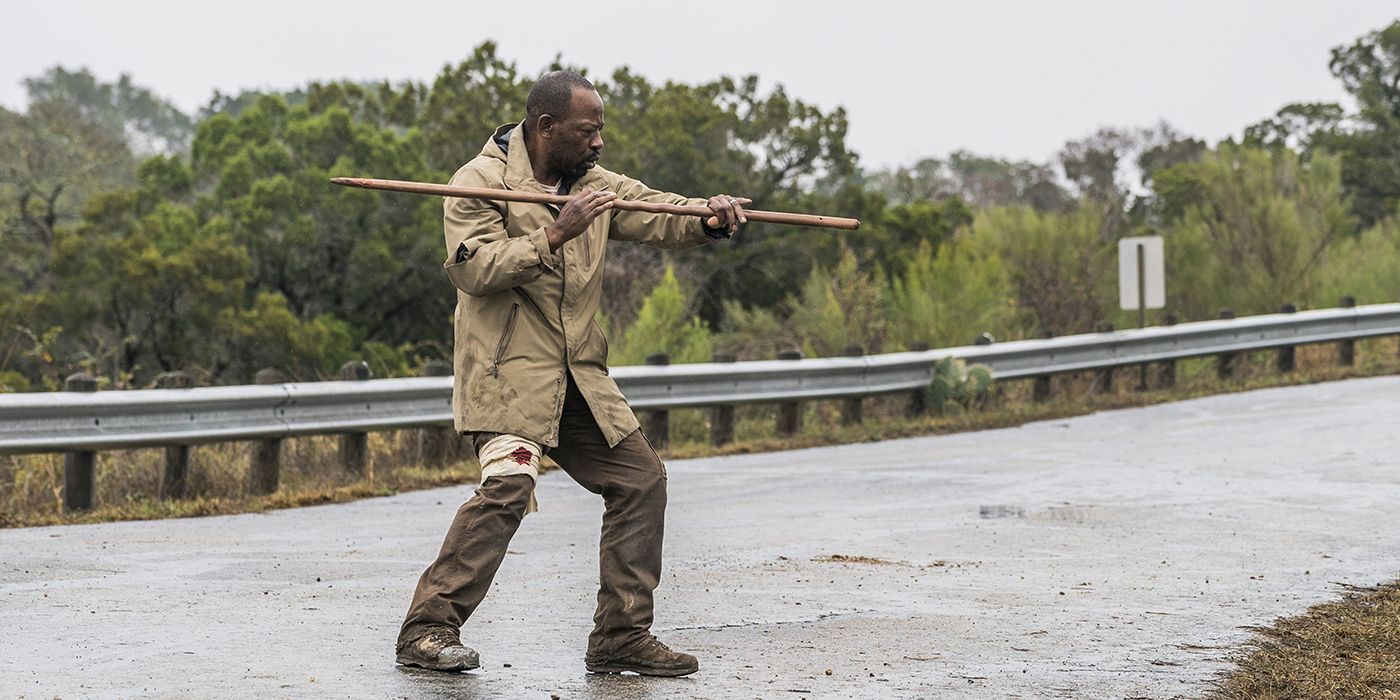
[[128, 481], [1343, 650]]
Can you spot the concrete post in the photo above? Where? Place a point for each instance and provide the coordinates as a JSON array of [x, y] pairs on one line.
[[435, 445], [790, 412], [851, 407], [79, 468], [174, 479], [354, 447], [1346, 349], [1166, 369], [658, 425], [1287, 355], [1225, 362], [1042, 387], [918, 399], [264, 469], [1103, 378], [996, 392], [722, 417]]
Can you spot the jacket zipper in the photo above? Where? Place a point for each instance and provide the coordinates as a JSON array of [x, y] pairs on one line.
[[505, 339], [587, 250]]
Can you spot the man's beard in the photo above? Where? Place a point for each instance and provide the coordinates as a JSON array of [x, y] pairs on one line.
[[581, 167]]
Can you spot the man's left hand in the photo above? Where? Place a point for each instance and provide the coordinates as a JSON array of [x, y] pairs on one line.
[[729, 212]]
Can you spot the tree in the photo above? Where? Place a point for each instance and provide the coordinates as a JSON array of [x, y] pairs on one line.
[[1370, 70], [51, 159], [665, 324], [1060, 265], [1252, 229], [944, 300], [979, 181], [147, 122], [1301, 126]]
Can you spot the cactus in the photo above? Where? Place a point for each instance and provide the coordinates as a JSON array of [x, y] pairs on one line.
[[955, 387]]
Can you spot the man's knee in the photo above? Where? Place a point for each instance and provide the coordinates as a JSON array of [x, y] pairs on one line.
[[643, 487], [511, 492]]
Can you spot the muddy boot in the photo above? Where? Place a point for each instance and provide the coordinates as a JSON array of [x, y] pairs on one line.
[[651, 658], [438, 650]]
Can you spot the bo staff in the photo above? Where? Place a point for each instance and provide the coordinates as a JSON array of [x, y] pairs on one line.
[[775, 217]]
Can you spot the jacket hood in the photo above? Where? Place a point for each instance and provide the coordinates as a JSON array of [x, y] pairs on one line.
[[507, 144]]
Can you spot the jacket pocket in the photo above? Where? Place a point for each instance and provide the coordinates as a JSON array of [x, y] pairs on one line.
[[602, 340], [505, 340]]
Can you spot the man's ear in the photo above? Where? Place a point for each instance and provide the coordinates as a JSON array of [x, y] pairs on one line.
[[544, 124]]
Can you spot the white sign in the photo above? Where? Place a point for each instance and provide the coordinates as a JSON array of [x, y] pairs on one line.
[[1141, 255]]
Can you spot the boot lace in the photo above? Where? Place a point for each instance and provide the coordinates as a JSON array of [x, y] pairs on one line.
[[440, 639]]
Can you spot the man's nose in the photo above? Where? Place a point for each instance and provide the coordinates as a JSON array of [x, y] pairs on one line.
[[597, 142]]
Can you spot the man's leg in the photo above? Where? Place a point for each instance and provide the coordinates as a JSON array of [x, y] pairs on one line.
[[632, 481], [456, 582]]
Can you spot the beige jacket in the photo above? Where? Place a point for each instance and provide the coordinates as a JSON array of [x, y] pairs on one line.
[[524, 315]]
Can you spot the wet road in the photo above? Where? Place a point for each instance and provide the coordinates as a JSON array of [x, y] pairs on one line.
[[1113, 555]]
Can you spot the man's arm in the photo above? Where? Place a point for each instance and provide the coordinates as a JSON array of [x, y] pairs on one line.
[[670, 231], [481, 256]]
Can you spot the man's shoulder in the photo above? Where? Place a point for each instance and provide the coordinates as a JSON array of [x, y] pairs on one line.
[[481, 171], [608, 179]]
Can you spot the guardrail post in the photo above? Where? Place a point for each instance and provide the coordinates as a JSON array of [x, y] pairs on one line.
[[1042, 387], [995, 392], [851, 407], [722, 417], [1225, 362], [918, 399], [435, 444], [264, 469], [354, 447], [1346, 349], [1103, 377], [658, 428], [790, 412], [79, 468], [174, 479], [1166, 369], [1288, 354]]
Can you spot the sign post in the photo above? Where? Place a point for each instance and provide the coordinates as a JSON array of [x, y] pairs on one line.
[[1141, 279]]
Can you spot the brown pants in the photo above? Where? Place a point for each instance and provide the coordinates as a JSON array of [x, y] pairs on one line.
[[632, 482]]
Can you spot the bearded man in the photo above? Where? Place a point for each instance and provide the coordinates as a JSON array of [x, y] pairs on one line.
[[531, 376]]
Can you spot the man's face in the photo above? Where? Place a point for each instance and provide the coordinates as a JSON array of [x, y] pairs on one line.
[[576, 139]]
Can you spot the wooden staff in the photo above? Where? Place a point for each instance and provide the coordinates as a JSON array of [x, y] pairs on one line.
[[774, 217]]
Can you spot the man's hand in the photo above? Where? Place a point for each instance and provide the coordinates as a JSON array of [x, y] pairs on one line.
[[576, 216], [729, 212]]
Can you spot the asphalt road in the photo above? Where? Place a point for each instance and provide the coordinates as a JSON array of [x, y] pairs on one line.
[[1114, 555]]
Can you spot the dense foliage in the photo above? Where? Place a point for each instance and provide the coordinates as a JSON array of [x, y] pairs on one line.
[[137, 239]]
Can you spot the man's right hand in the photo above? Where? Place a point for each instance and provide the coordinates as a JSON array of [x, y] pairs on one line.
[[576, 216]]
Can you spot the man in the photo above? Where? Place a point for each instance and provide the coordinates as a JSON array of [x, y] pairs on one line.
[[531, 376]]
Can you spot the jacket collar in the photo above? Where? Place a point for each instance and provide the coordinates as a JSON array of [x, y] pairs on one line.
[[519, 175]]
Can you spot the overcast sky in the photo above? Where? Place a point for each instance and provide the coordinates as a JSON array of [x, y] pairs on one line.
[[1015, 79]]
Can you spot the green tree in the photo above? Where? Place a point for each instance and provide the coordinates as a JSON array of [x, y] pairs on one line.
[[1061, 266], [148, 122], [1364, 266], [665, 324], [977, 180], [945, 300], [1370, 71], [1252, 229]]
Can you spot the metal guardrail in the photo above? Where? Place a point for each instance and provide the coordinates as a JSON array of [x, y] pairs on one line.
[[72, 421]]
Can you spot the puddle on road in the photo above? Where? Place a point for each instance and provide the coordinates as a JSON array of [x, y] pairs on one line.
[[995, 512]]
